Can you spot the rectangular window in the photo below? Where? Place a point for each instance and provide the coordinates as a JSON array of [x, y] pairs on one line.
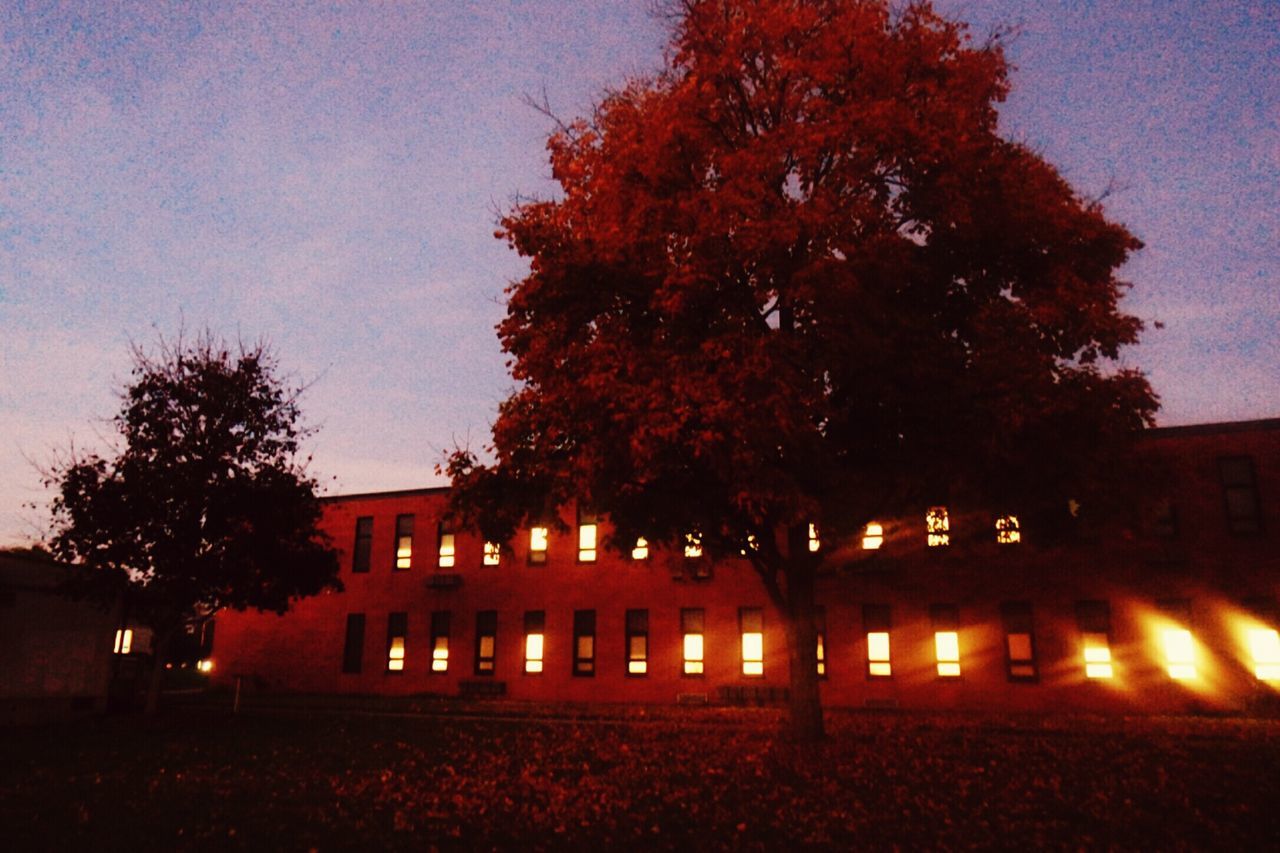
[[537, 546], [446, 547], [875, 623], [535, 622], [691, 621], [937, 527], [584, 642], [1164, 519], [404, 541], [1240, 494], [820, 623], [751, 624], [397, 631], [692, 546], [946, 639], [1176, 640], [353, 647], [440, 621], [1008, 530], [124, 641], [360, 554], [1094, 621], [1019, 641], [588, 533], [641, 550], [814, 541], [872, 536], [637, 642], [492, 553], [486, 641]]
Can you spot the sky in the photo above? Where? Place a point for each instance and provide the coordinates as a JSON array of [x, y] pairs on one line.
[[326, 177]]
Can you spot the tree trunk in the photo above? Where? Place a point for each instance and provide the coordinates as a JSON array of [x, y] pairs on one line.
[[802, 645], [159, 651]]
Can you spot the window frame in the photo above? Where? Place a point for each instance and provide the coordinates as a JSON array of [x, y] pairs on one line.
[[584, 626], [397, 629], [535, 624], [1252, 521], [486, 626], [441, 624], [362, 546], [636, 627], [693, 621], [353, 644], [405, 523], [1017, 618], [750, 622], [877, 619]]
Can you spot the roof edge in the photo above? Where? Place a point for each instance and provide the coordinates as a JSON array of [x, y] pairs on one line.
[[1259, 425]]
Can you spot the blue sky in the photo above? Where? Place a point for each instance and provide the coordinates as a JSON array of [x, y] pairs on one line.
[[326, 176]]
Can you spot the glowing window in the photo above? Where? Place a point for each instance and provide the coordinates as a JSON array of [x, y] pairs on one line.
[[492, 554], [641, 550], [1094, 620], [353, 646], [534, 626], [404, 541], [751, 623], [360, 554], [1008, 531], [588, 529], [946, 639], [872, 536], [205, 665], [440, 641], [447, 550], [875, 622], [486, 641], [538, 545], [1097, 656], [124, 641], [637, 642], [937, 526], [814, 542], [1264, 647], [693, 545], [691, 622], [397, 630], [820, 624], [1179, 653], [584, 642], [1020, 657]]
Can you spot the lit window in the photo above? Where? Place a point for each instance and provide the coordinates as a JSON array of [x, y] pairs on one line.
[[1020, 657], [1264, 647], [205, 666], [946, 640], [534, 627], [751, 622], [397, 629], [492, 554], [641, 551], [486, 641], [820, 627], [691, 621], [124, 641], [1240, 494], [693, 545], [1094, 621], [1008, 531], [363, 549], [814, 542], [1097, 656], [1179, 653], [538, 545], [448, 550], [875, 622], [588, 528], [584, 642], [937, 526], [872, 536], [440, 641], [404, 541], [353, 646], [637, 642]]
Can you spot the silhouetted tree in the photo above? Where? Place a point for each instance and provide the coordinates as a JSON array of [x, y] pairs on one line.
[[204, 503], [797, 277]]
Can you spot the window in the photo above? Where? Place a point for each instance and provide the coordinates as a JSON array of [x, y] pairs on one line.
[[1008, 530], [946, 639], [1094, 621], [537, 546], [1164, 519], [875, 623], [820, 624], [1264, 648], [124, 641], [447, 549], [588, 533], [584, 642], [404, 541], [751, 624], [637, 642], [937, 527], [486, 641], [1019, 641], [1240, 494], [440, 641], [872, 536], [814, 542], [397, 630], [363, 549], [1176, 640], [353, 647], [641, 550], [693, 545], [691, 620], [492, 554], [535, 622]]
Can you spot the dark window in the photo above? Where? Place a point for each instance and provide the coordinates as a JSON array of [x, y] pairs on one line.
[[404, 541], [1019, 641], [364, 544], [751, 625], [486, 641], [820, 624], [691, 622], [353, 648], [637, 642], [440, 621], [876, 625], [584, 642], [1240, 494], [535, 635], [397, 633]]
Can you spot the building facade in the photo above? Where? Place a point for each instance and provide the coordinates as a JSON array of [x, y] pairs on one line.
[[1170, 608]]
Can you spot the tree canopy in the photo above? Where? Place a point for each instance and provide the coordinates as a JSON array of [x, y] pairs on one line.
[[799, 276]]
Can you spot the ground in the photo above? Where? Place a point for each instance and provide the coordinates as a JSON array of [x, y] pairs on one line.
[[415, 777]]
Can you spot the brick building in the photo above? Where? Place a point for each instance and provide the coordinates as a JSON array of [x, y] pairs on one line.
[[1170, 608]]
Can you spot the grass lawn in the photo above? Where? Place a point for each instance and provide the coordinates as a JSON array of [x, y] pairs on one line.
[[194, 779]]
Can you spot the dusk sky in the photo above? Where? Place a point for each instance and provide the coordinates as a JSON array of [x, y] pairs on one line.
[[326, 177]]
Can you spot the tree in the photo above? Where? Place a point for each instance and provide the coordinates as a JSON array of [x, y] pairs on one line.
[[204, 504], [799, 277]]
